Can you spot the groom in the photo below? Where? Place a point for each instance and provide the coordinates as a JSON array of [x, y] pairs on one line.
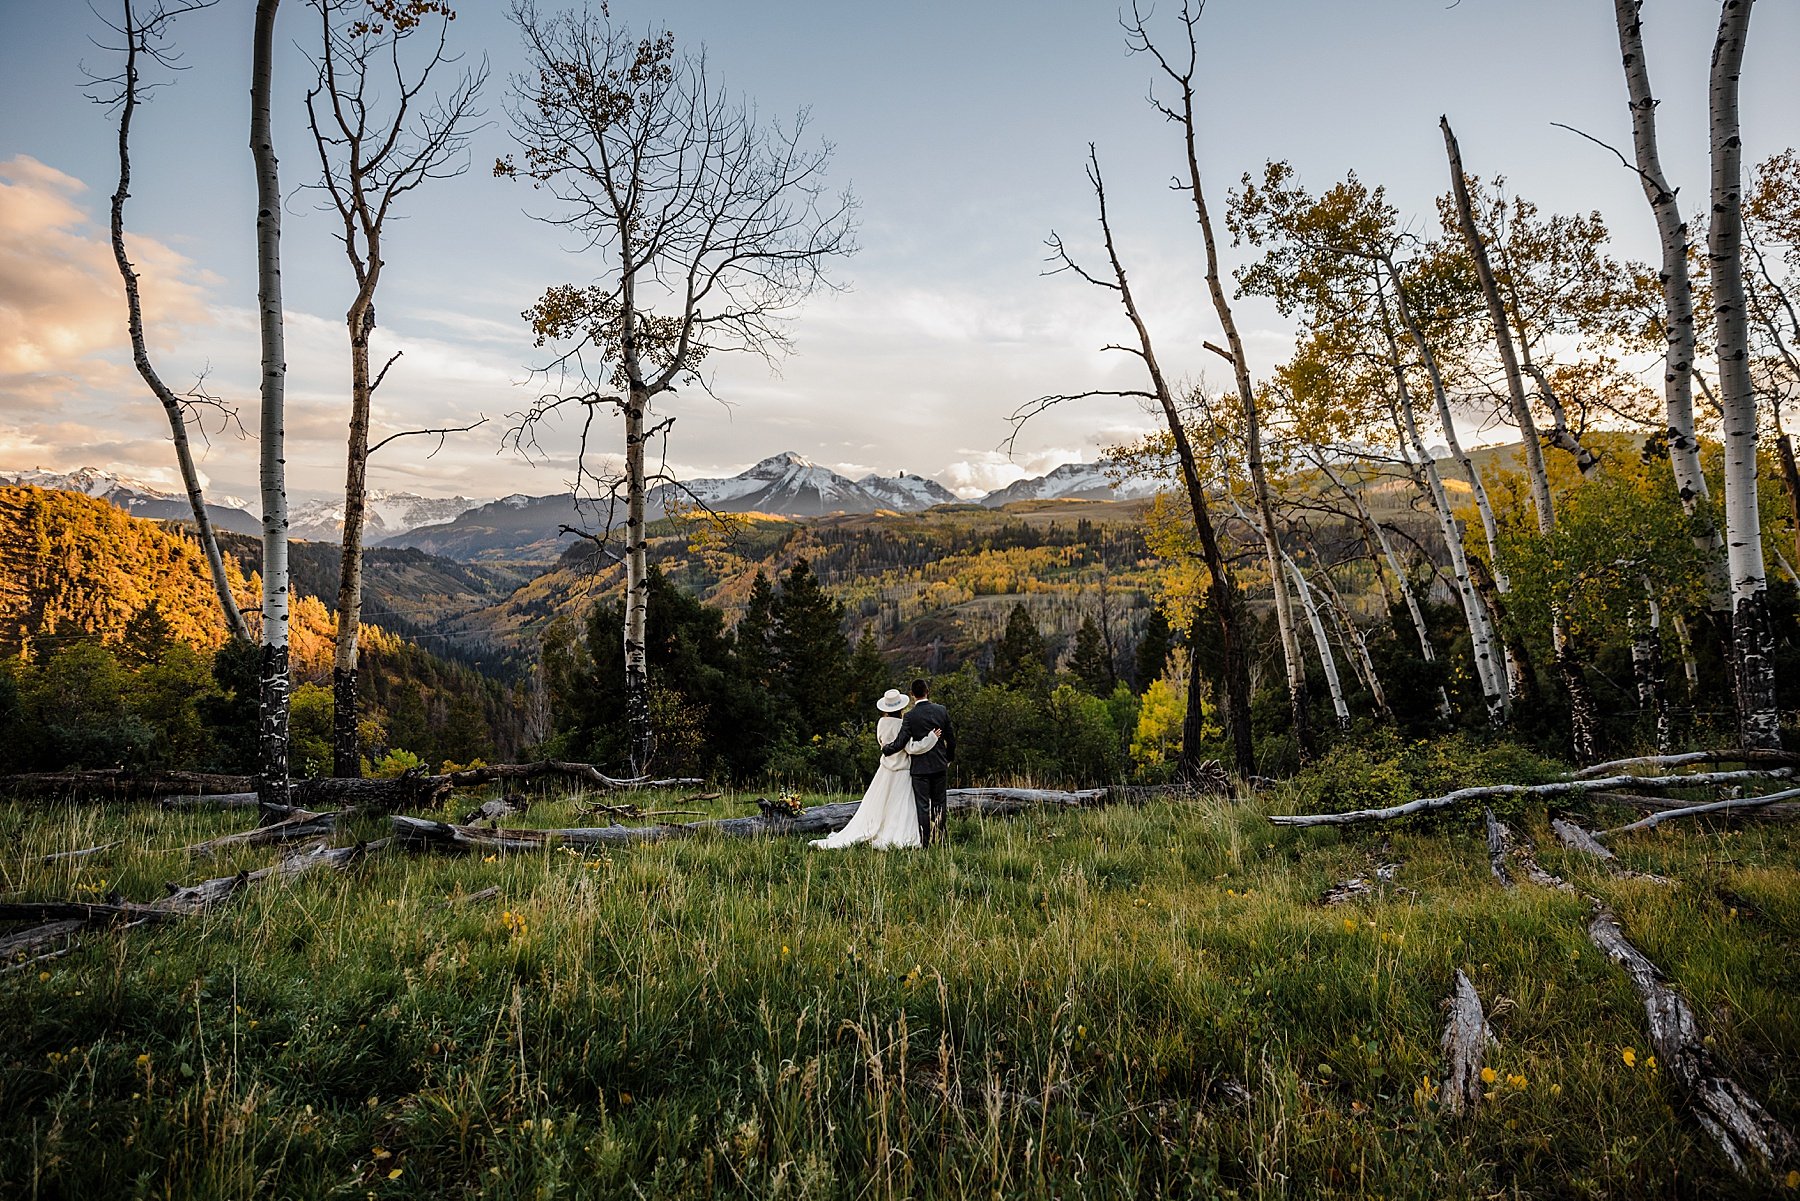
[[928, 769]]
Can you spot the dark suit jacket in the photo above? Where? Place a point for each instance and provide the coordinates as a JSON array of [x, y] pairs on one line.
[[925, 717]]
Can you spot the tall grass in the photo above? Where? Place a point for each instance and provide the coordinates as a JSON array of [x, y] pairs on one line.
[[1126, 1002]]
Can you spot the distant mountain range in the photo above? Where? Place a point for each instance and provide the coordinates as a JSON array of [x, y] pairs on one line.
[[522, 528]]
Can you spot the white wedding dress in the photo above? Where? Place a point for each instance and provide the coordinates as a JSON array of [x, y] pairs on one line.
[[887, 816]]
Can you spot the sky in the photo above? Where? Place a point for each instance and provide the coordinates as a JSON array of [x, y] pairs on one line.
[[960, 126]]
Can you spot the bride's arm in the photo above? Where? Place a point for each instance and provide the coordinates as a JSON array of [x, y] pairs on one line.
[[919, 746]]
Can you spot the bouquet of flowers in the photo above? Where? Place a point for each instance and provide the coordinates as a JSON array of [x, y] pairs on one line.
[[785, 804]]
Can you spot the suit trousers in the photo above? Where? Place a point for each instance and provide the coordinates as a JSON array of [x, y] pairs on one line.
[[930, 796]]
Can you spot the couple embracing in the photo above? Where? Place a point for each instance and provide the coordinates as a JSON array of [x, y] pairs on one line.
[[905, 802]]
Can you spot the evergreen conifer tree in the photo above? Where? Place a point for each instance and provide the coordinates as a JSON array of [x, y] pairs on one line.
[[869, 674], [753, 632], [1153, 650], [1019, 657], [1091, 665], [811, 655]]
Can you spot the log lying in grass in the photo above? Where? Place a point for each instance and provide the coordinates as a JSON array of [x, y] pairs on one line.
[[818, 820], [1577, 839], [1755, 1143], [297, 826], [67, 919], [1784, 812], [1664, 762], [1502, 847], [1465, 1041], [1721, 808], [51, 940], [416, 790], [1537, 791], [119, 785]]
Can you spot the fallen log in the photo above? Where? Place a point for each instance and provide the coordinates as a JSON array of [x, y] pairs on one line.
[[1577, 839], [23, 948], [1464, 1042], [416, 790], [1786, 812], [818, 820], [118, 784], [297, 826], [1689, 758], [1724, 808], [1751, 1138], [1502, 846], [1359, 886], [1539, 791]]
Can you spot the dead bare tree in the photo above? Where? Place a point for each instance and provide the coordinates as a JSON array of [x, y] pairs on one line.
[[379, 136], [713, 227], [144, 31], [1223, 596], [1180, 71]]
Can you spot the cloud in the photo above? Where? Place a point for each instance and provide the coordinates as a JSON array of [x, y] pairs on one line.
[[60, 296]]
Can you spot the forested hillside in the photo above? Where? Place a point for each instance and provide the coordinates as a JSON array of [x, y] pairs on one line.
[[114, 653]]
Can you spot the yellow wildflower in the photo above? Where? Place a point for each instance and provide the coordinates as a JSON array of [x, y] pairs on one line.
[[1629, 1056], [1489, 1075]]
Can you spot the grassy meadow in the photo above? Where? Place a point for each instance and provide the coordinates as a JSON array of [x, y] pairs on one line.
[[1130, 1002]]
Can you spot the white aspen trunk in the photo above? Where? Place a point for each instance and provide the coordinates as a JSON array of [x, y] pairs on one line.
[[1684, 642], [1327, 659], [637, 589], [1361, 662], [1489, 673], [1752, 637], [346, 753], [1379, 536], [1678, 298], [140, 354], [1647, 667], [272, 724], [1292, 658]]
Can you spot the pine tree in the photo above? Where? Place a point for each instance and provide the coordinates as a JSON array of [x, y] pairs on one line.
[[1019, 657], [811, 655], [870, 675], [753, 632], [1153, 650], [147, 636], [1091, 665]]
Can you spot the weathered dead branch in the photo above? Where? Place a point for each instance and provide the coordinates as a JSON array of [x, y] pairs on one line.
[[118, 785], [1503, 846], [297, 826], [1535, 791], [1751, 1138], [1578, 839], [83, 853], [1723, 808], [1689, 759], [1465, 1041]]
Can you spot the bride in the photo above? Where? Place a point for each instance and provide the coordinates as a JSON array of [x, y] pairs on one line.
[[887, 816]]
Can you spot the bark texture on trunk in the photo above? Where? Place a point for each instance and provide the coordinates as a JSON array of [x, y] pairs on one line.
[[1752, 634], [1490, 674], [1327, 660], [1677, 288], [140, 353], [346, 754], [637, 590], [272, 724]]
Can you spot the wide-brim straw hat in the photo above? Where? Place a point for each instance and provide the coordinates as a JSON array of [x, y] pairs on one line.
[[892, 701]]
